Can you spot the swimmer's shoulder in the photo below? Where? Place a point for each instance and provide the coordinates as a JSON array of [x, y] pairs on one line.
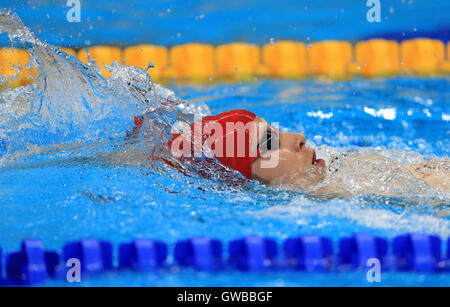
[[435, 173]]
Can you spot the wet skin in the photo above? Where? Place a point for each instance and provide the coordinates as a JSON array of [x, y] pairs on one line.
[[297, 164]]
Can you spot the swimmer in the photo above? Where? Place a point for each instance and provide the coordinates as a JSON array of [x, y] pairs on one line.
[[276, 158]]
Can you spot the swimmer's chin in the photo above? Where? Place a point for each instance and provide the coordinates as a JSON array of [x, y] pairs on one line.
[[314, 190], [304, 181]]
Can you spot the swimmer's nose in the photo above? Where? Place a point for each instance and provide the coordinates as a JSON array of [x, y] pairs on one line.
[[296, 141]]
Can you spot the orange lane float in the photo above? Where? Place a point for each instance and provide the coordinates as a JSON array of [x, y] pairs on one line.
[[422, 56], [195, 62], [141, 55], [192, 62], [377, 58], [238, 61], [285, 59], [69, 50], [330, 59], [13, 66], [104, 55], [445, 67]]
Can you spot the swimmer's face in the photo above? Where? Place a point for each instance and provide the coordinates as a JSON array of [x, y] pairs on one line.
[[297, 164]]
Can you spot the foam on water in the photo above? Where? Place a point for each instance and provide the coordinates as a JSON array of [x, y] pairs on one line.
[[71, 103]]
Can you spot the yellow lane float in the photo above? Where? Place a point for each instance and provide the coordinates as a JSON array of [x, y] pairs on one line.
[[69, 50], [330, 59], [12, 66], [193, 62], [238, 61], [377, 58], [445, 67], [141, 55], [285, 59], [422, 56], [104, 55]]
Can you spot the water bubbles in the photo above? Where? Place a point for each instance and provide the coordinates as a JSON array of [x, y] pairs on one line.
[[201, 16], [72, 103], [308, 42], [427, 112]]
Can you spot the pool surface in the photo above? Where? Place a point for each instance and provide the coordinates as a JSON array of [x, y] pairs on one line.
[[64, 199], [169, 23]]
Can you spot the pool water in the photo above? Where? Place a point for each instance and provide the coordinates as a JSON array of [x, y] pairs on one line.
[[58, 182], [66, 199], [168, 23]]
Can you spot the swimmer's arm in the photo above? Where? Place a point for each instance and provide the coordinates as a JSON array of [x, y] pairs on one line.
[[435, 173], [331, 192]]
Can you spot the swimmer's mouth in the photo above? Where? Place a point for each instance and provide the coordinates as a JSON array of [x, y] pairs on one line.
[[317, 162]]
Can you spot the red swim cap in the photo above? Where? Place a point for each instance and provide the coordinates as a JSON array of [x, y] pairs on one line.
[[228, 135]]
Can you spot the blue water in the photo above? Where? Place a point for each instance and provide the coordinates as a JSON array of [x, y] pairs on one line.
[[71, 193], [169, 23], [58, 200]]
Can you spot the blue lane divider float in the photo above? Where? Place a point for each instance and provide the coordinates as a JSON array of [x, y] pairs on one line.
[[410, 252], [142, 255], [418, 252], [253, 253], [32, 264], [355, 251], [95, 256], [200, 253], [448, 253], [309, 253]]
